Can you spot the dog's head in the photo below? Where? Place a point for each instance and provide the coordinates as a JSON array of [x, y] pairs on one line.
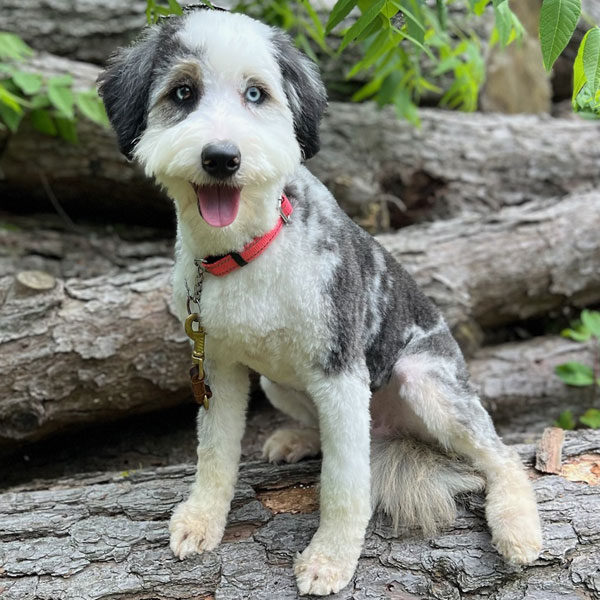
[[216, 106]]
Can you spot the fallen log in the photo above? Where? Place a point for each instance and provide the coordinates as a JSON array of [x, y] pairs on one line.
[[106, 537], [384, 172], [518, 263], [518, 385], [86, 349]]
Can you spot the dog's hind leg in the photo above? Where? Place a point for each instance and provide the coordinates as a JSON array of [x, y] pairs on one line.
[[435, 388], [291, 444]]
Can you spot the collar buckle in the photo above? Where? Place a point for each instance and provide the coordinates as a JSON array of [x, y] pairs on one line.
[[284, 217]]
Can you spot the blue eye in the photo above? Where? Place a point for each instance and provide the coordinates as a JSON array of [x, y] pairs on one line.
[[182, 94], [254, 94]]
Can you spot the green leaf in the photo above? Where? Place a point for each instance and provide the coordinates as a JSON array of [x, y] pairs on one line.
[[367, 90], [574, 373], [442, 13], [591, 57], [383, 43], [565, 421], [43, 122], [376, 25], [591, 418], [504, 22], [579, 79], [558, 20], [591, 321], [11, 100], [388, 88], [10, 117], [339, 12], [40, 101], [29, 83], [13, 47], [415, 26], [150, 6], [66, 129], [314, 17], [579, 334], [478, 6], [61, 80], [363, 22], [406, 108], [92, 107], [174, 7], [62, 99]]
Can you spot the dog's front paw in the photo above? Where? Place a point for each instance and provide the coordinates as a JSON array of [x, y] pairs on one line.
[[292, 445], [321, 574], [194, 529]]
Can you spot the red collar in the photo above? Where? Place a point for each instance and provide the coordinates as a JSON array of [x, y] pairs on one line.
[[222, 265]]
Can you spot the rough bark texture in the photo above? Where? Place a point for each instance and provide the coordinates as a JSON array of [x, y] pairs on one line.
[[518, 385], [106, 537], [383, 171], [102, 343], [521, 262], [454, 163], [88, 350]]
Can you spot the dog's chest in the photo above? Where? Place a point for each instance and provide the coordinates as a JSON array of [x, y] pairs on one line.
[[263, 316]]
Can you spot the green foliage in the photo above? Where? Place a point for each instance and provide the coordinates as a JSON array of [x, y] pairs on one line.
[[298, 18], [591, 418], [156, 10], [48, 102], [566, 421], [409, 45], [575, 373], [586, 329], [586, 76], [558, 20]]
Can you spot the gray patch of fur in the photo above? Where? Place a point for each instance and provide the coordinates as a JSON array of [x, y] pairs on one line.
[[373, 302], [125, 84]]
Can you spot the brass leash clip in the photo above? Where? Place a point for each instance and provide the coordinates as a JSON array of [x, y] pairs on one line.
[[201, 391]]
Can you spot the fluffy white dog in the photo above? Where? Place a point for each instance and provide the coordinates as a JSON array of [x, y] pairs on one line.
[[221, 110]]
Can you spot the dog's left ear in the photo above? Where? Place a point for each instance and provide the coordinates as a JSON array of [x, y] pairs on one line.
[[304, 90], [124, 87]]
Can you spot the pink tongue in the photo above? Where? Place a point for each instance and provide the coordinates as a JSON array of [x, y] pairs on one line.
[[218, 204]]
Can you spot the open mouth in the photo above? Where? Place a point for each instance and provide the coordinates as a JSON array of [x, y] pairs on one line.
[[218, 204]]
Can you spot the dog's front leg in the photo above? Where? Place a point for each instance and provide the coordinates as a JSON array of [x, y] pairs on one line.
[[329, 561], [198, 523]]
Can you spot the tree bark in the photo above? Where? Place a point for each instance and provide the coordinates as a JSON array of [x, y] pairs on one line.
[[101, 347], [519, 387], [88, 350], [384, 172], [516, 264], [105, 537]]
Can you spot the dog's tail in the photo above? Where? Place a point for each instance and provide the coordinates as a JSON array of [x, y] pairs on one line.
[[415, 483]]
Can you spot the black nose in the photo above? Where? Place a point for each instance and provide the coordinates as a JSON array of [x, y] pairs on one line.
[[221, 159]]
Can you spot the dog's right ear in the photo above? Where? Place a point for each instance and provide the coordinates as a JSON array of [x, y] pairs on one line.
[[124, 87]]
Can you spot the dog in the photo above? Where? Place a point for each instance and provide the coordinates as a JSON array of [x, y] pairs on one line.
[[222, 111]]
